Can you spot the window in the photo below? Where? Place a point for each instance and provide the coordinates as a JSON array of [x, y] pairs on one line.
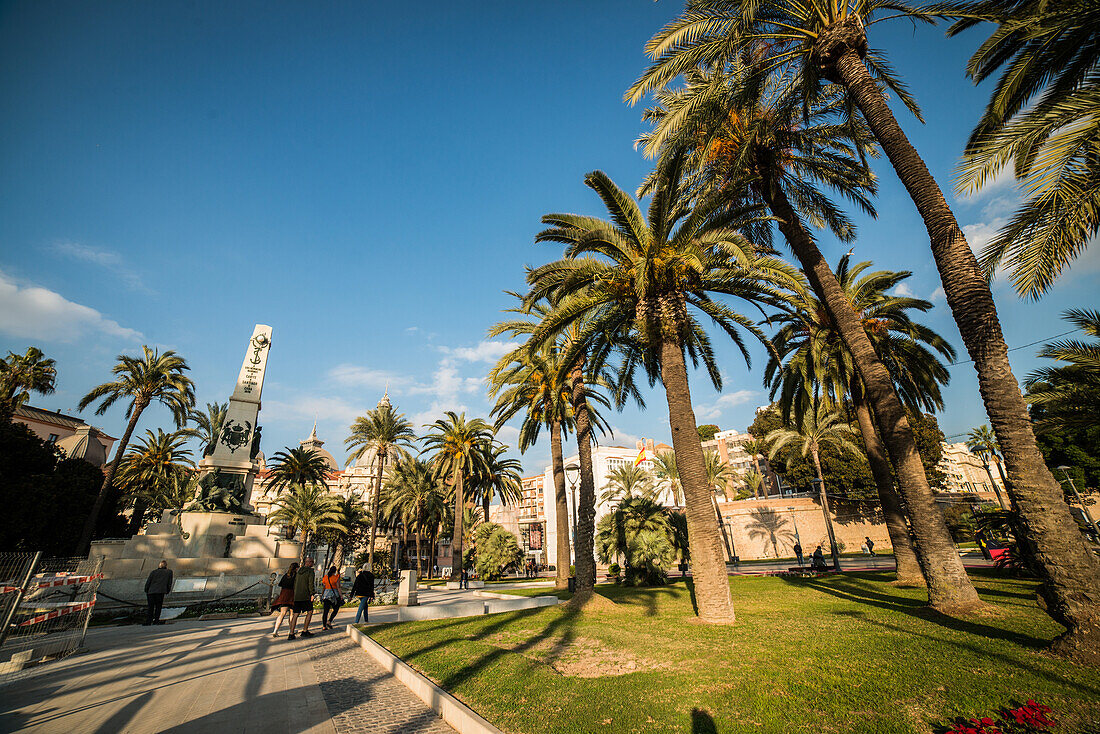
[[53, 438]]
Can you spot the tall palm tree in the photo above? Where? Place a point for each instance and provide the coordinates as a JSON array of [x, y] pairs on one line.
[[777, 153], [827, 41], [755, 448], [499, 478], [414, 492], [384, 431], [627, 482], [353, 518], [634, 282], [1068, 396], [664, 471], [22, 374], [149, 468], [296, 467], [152, 377], [208, 425], [818, 428], [719, 475], [308, 508], [983, 444], [811, 358], [1039, 120], [455, 445], [530, 382]]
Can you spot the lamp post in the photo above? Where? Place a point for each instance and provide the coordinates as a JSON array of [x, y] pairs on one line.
[[572, 474], [797, 540], [828, 521], [1084, 509]]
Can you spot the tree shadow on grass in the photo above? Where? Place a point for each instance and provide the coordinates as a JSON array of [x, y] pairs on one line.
[[646, 597], [702, 722]]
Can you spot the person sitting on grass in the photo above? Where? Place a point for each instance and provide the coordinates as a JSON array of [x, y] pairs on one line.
[[305, 582]]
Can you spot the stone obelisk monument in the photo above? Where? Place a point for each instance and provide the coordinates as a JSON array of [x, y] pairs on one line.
[[238, 443]]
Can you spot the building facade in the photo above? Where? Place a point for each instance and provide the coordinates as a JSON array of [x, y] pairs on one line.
[[965, 471], [72, 435]]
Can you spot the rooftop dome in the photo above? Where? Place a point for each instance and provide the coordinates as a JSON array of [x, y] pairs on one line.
[[84, 445], [314, 444]]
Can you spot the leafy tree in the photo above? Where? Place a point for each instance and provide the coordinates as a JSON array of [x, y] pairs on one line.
[[298, 466], [499, 478], [1068, 395], [627, 482], [150, 471], [455, 447], [707, 431], [636, 283], [664, 471], [208, 425], [414, 492], [308, 508], [1040, 120], [384, 431], [22, 374], [637, 531], [983, 444], [497, 550], [153, 377]]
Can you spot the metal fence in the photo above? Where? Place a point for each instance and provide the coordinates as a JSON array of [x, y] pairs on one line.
[[45, 606]]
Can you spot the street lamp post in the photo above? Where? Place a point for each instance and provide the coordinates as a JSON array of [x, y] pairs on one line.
[[1084, 509], [828, 521], [572, 474], [797, 540]]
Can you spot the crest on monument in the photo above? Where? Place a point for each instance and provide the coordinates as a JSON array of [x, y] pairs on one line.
[[234, 435]]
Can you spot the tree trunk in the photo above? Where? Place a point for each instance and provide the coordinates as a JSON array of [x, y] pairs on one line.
[[561, 508], [949, 588], [88, 532], [585, 543], [993, 485], [305, 546], [905, 556], [485, 504], [419, 568], [711, 580], [825, 508], [380, 457], [137, 518], [338, 556], [456, 539], [1071, 573]]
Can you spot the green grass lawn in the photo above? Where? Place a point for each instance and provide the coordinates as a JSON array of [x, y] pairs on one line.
[[832, 654]]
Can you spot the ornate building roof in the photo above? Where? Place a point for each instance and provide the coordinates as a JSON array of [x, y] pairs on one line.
[[315, 445]]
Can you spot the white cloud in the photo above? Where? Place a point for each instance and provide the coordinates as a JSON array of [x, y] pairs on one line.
[[312, 407], [435, 412], [350, 375], [38, 313], [485, 351], [509, 435], [622, 438], [938, 294], [105, 259], [713, 411], [904, 291]]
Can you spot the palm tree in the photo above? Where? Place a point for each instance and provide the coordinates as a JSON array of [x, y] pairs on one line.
[[455, 446], [414, 492], [773, 153], [754, 449], [827, 41], [664, 471], [633, 283], [208, 425], [1039, 120], [811, 356], [819, 427], [298, 466], [627, 482], [639, 532], [983, 444], [767, 523], [153, 377], [309, 508], [719, 475], [148, 470], [529, 382], [22, 374], [353, 517], [499, 478], [384, 431], [1068, 396]]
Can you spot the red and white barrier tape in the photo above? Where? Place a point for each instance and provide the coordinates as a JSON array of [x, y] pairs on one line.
[[69, 608], [56, 581]]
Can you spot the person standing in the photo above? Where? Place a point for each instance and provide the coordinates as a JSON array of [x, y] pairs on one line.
[[305, 582], [364, 589], [798, 553], [870, 545], [285, 601], [331, 598], [464, 579], [157, 586]]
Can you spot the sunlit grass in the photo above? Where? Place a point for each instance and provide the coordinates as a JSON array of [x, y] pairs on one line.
[[834, 654]]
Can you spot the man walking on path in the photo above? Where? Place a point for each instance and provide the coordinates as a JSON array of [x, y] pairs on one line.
[[157, 586], [305, 583], [364, 589]]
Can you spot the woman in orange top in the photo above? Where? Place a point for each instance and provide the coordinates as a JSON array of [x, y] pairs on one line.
[[331, 599]]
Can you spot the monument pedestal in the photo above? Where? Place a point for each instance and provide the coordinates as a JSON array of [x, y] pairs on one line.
[[406, 590]]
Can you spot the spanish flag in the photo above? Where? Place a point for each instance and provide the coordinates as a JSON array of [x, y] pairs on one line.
[[641, 457]]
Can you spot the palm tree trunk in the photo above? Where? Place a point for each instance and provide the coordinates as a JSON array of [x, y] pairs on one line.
[[993, 485], [561, 508], [485, 504], [825, 508], [338, 555], [305, 546], [949, 588], [711, 580], [86, 534], [897, 528], [456, 539], [1071, 573], [584, 543], [137, 517], [419, 568], [381, 458]]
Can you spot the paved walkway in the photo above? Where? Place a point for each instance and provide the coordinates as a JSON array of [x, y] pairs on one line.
[[214, 677]]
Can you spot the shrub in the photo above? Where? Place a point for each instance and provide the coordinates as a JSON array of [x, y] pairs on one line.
[[497, 549]]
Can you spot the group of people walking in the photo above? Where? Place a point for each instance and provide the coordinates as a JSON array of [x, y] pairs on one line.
[[298, 590]]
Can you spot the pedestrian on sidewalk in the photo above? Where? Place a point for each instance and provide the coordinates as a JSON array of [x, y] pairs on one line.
[[464, 579], [157, 586], [285, 601], [798, 553], [331, 598], [364, 589], [305, 586], [870, 545]]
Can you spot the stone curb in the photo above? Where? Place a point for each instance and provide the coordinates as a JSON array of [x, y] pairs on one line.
[[458, 715]]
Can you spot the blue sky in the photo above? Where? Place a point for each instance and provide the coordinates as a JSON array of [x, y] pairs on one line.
[[368, 179]]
